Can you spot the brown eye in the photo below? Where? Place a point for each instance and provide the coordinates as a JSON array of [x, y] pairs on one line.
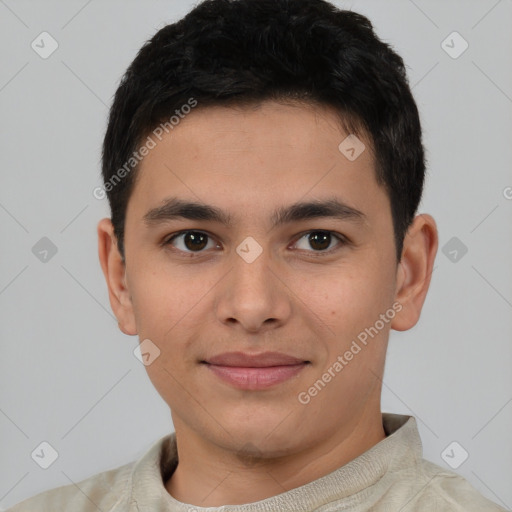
[[191, 241], [195, 241], [320, 240]]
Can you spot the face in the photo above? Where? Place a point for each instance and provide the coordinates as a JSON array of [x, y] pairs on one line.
[[257, 302]]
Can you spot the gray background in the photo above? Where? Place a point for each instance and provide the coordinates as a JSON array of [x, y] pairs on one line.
[[68, 376]]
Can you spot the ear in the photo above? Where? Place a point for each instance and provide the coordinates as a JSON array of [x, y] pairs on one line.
[[415, 270], [113, 268]]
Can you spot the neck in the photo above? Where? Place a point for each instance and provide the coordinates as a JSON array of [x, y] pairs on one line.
[[207, 476]]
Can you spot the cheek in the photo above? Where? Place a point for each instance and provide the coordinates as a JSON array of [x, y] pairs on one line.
[[169, 308], [172, 307], [348, 299], [165, 297]]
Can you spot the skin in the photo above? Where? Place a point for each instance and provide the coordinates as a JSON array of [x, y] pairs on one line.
[[240, 446]]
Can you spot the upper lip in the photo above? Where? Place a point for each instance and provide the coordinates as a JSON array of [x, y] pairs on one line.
[[265, 359]]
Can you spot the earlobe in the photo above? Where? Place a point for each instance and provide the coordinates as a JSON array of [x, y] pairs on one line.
[[114, 270], [415, 271]]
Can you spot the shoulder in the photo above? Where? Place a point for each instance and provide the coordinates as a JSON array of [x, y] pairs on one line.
[[109, 491], [446, 491], [104, 491]]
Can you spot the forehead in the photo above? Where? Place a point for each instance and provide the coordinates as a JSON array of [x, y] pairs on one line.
[[299, 126], [266, 153]]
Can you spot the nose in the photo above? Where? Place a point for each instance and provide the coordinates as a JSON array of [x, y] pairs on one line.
[[252, 296]]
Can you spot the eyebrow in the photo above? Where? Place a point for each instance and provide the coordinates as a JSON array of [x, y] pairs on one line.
[[174, 208], [327, 208]]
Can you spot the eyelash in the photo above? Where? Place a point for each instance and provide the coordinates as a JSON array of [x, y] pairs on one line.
[[342, 241]]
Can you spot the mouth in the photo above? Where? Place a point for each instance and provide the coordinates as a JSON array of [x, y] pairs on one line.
[[254, 371]]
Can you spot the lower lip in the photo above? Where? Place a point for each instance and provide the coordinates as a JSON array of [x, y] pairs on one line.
[[255, 378]]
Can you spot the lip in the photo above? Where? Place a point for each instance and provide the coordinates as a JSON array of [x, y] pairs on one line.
[[265, 359], [255, 371]]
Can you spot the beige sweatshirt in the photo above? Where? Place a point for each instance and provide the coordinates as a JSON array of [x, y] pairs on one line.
[[391, 476]]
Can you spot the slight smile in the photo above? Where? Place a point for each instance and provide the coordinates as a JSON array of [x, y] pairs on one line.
[[255, 371]]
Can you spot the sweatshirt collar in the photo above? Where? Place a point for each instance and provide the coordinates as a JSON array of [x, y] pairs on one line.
[[401, 447]]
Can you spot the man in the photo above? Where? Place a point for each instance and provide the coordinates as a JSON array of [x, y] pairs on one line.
[[264, 165]]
